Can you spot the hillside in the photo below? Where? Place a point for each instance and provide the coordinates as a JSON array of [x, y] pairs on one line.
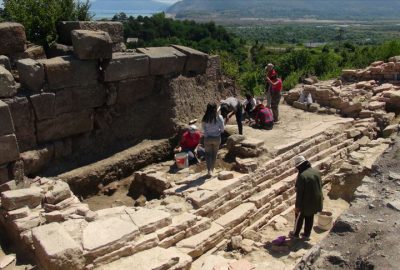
[[124, 5], [293, 9]]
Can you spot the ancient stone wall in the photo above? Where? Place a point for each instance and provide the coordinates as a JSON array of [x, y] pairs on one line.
[[96, 100]]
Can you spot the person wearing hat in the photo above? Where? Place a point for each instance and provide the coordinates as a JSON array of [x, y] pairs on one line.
[[190, 144], [309, 197], [269, 73], [276, 87]]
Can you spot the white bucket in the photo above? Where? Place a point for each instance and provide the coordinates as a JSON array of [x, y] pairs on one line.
[[182, 160], [324, 220]]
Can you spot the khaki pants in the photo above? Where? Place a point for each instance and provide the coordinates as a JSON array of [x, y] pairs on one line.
[[211, 145]]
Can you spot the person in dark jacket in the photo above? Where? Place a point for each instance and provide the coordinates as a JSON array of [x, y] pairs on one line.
[[309, 196]]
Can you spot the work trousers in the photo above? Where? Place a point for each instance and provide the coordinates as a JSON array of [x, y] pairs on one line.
[[309, 221], [211, 145], [275, 100]]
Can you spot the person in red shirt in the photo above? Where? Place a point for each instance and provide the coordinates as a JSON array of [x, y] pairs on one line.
[[190, 144], [276, 88], [264, 117], [269, 73]]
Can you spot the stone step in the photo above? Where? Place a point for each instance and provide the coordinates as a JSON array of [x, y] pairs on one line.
[[236, 215]]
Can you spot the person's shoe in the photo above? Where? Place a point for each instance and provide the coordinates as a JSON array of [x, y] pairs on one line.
[[293, 236], [305, 237]]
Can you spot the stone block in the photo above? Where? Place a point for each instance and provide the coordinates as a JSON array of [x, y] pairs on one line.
[[4, 177], [91, 44], [8, 149], [8, 262], [236, 215], [67, 71], [125, 66], [225, 175], [7, 126], [65, 125], [44, 105], [252, 143], [246, 165], [14, 199], [196, 61], [130, 91], [150, 220], [75, 99], [31, 74], [10, 185], [389, 130], [8, 86], [55, 248], [165, 60], [35, 52], [5, 61], [352, 109], [57, 193], [18, 213], [37, 160], [300, 105], [24, 122], [12, 38]]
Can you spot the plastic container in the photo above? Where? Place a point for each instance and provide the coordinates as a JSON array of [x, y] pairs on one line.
[[324, 220], [182, 160]]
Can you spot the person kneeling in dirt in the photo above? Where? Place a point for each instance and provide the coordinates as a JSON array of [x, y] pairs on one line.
[[305, 97], [190, 144], [309, 197], [249, 104], [264, 117]]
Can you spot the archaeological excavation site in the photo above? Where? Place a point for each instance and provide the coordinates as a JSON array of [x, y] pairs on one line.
[[88, 178]]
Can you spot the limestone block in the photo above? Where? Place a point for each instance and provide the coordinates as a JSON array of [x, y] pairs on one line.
[[57, 193], [203, 224], [376, 63], [91, 44], [65, 125], [314, 107], [185, 261], [389, 130], [201, 197], [236, 215], [44, 105], [55, 216], [130, 91], [150, 220], [353, 109], [165, 60], [15, 199], [32, 52], [75, 99], [171, 240], [24, 122], [8, 149], [12, 38], [300, 105], [55, 249], [31, 74], [18, 213], [8, 262], [196, 61], [125, 66], [99, 236], [246, 165], [179, 223], [252, 143], [7, 126], [376, 105], [5, 61], [67, 71], [225, 175], [155, 180], [38, 159], [7, 84]]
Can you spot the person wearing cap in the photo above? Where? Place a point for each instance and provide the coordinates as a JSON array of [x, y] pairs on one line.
[[190, 144], [309, 197], [275, 90], [269, 73], [264, 117], [232, 106]]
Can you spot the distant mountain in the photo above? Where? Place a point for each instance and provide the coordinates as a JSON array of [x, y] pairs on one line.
[[107, 8], [293, 9]]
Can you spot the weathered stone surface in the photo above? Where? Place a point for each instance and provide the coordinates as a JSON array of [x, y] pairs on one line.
[[7, 83], [164, 60], [8, 262], [67, 71], [35, 52], [300, 105], [246, 165], [395, 205], [36, 160], [77, 99], [31, 74], [4, 177], [58, 192], [44, 105], [125, 66], [12, 38], [196, 61], [24, 122], [15, 199], [234, 140], [149, 220], [55, 249], [131, 91], [5, 61], [65, 125], [252, 143], [8, 149], [179, 223], [103, 233], [236, 215], [389, 130], [225, 175], [352, 110], [91, 44], [7, 126]]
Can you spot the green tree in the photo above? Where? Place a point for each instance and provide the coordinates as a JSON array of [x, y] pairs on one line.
[[40, 17]]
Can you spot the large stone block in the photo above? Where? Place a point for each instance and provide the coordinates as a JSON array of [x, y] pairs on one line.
[[59, 192], [76, 99], [124, 66], [7, 126], [165, 60], [7, 83], [91, 44], [24, 122], [12, 38], [55, 248], [130, 91], [33, 52], [67, 71], [65, 125], [149, 220], [14, 199], [43, 105], [36, 160], [8, 149], [5, 61], [196, 61], [31, 74]]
